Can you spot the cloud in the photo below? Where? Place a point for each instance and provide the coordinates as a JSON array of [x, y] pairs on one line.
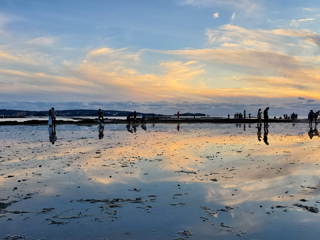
[[310, 101], [216, 15], [243, 57], [246, 5], [115, 53], [9, 57], [233, 16], [42, 41], [296, 23], [308, 36], [311, 9], [301, 98]]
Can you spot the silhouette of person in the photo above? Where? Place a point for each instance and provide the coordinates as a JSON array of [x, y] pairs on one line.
[[101, 129], [178, 114], [266, 115], [311, 116], [244, 114], [100, 115], [53, 117], [129, 117], [316, 114], [52, 134], [265, 134]]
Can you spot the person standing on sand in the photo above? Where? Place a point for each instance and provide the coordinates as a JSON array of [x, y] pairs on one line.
[[100, 114], [50, 118], [53, 116], [244, 114], [259, 116], [178, 114], [311, 115], [266, 115]]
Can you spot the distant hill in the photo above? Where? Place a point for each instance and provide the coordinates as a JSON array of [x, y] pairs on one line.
[[81, 113]]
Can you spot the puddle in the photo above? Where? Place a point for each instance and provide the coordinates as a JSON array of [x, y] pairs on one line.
[[163, 181]]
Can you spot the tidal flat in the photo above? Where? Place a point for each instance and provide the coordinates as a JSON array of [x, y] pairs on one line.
[[162, 181]]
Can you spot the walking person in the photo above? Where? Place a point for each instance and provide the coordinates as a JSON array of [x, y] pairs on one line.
[[266, 115], [50, 118], [244, 114], [259, 116], [311, 115], [100, 114], [53, 117]]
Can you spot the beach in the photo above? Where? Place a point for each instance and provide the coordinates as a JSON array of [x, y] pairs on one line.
[[160, 181]]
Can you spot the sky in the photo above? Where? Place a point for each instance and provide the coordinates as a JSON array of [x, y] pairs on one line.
[[216, 57]]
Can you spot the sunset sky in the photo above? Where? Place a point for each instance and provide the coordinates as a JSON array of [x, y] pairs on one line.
[[209, 56]]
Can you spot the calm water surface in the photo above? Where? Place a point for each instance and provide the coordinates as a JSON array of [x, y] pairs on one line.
[[197, 181]]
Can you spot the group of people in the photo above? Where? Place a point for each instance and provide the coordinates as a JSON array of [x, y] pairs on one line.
[[313, 115], [293, 116], [241, 115]]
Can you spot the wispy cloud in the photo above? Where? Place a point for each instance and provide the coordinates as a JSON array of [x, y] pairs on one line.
[[247, 5], [216, 15], [42, 41], [296, 23]]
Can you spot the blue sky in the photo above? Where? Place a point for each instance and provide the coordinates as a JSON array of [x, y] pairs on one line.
[[218, 56]]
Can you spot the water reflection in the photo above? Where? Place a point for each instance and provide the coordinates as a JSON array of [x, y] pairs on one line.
[[265, 134], [144, 126], [52, 134], [132, 127], [259, 132], [206, 166], [101, 134], [313, 131]]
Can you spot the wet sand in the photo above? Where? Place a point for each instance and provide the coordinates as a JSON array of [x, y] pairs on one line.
[[79, 121], [161, 181]]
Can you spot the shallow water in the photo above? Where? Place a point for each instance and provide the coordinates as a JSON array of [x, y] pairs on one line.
[[202, 181]]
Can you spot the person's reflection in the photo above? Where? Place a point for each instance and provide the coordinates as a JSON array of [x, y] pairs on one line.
[[259, 132], [144, 126], [244, 127], [313, 132], [129, 128], [52, 134], [310, 133], [178, 127], [265, 135], [101, 129]]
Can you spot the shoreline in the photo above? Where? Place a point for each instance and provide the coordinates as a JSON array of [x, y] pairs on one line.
[[157, 120]]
